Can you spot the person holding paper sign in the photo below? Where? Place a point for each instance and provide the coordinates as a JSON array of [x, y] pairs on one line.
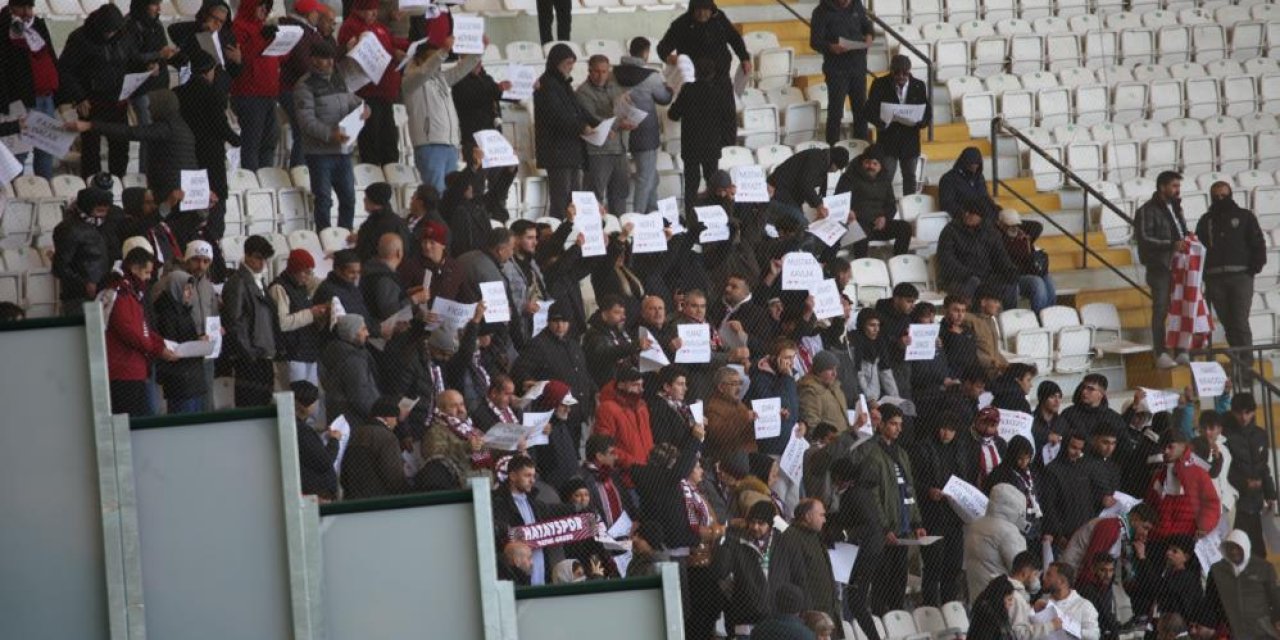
[[992, 541], [608, 173], [705, 32], [318, 445], [935, 459], [31, 72], [802, 179], [172, 145], [645, 89], [305, 15], [142, 26], [899, 139], [899, 513], [874, 204], [1250, 468], [321, 102], [90, 73], [841, 31], [556, 131], [300, 319], [211, 33], [255, 90], [1071, 608], [131, 344], [704, 110], [433, 120], [183, 380], [379, 140], [476, 98]]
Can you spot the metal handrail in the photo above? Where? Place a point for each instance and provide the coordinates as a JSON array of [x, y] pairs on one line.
[[1270, 391], [928, 64]]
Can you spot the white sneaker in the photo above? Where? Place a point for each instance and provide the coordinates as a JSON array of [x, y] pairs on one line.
[[1183, 358], [1165, 362]]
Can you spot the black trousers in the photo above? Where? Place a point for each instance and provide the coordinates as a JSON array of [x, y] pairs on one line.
[[855, 594], [379, 139], [890, 581], [899, 231], [561, 183], [117, 148], [943, 561], [908, 166], [255, 380], [847, 83], [563, 12], [130, 396], [1231, 296], [1159, 279], [1251, 524], [693, 170]]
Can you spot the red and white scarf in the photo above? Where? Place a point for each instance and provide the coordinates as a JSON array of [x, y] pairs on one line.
[[462, 428], [1188, 325], [695, 506]]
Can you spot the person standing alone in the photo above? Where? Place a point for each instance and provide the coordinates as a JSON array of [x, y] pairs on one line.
[[841, 31]]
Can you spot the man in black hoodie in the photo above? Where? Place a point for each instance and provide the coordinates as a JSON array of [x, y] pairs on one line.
[[835, 22], [741, 560], [143, 26], [704, 32], [1235, 253], [971, 253], [964, 183], [802, 179]]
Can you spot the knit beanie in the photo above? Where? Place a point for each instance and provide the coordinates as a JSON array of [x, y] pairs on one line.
[[300, 261], [824, 361]]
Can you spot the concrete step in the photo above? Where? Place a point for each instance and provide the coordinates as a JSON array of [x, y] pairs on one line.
[[1057, 243], [1141, 370], [1067, 259]]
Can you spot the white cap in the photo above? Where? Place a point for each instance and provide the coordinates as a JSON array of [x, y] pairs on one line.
[[199, 248], [1009, 217], [136, 242], [569, 400]]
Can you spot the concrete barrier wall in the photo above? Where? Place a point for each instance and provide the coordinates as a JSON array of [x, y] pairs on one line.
[[631, 609]]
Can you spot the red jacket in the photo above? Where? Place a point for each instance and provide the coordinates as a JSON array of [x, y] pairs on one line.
[[131, 343], [1197, 509], [626, 420], [259, 74], [388, 87]]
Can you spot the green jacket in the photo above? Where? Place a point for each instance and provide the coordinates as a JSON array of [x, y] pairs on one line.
[[873, 453]]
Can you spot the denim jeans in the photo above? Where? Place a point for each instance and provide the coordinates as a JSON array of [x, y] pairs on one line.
[[645, 198], [142, 111], [258, 130], [295, 132], [330, 173], [1039, 290], [435, 161], [42, 162], [189, 405]]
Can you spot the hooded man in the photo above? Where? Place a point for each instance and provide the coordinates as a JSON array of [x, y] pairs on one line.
[[1242, 592], [558, 145], [90, 75], [971, 256], [965, 184], [992, 541], [704, 32], [203, 105], [1235, 252], [80, 256], [213, 19], [845, 66], [347, 370], [171, 144], [142, 25]]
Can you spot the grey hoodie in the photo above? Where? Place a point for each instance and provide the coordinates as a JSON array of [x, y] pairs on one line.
[[647, 89], [992, 541]]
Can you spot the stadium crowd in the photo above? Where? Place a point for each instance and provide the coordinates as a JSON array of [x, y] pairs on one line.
[[703, 409]]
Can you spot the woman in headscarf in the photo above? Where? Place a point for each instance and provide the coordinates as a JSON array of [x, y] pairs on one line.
[[171, 145], [990, 616], [561, 122], [1015, 469], [183, 380]]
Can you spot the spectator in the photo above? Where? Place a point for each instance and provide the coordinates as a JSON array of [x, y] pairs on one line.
[[424, 207], [971, 255], [857, 522], [1090, 409], [300, 320], [554, 355], [383, 293], [80, 261], [1046, 428], [203, 105], [558, 460], [516, 564], [773, 376], [988, 448], [1010, 390], [645, 89], [992, 611], [497, 406], [557, 134], [845, 66], [704, 31], [1097, 584], [1182, 493], [453, 440], [1015, 469], [730, 422], [1179, 588], [1241, 592], [819, 623], [255, 91], [623, 416], [433, 120], [802, 179], [873, 201], [1160, 231], [250, 325], [992, 541], [608, 173], [744, 558], [929, 379], [347, 370], [371, 465], [1171, 626], [183, 380], [800, 568], [170, 143], [670, 418], [464, 213], [528, 287], [821, 399], [1103, 533], [213, 17], [145, 219], [609, 498], [341, 283], [1032, 264], [738, 313], [1072, 487], [786, 622], [379, 141], [899, 138], [986, 332], [607, 344], [430, 258], [899, 513], [31, 69], [1058, 581], [964, 188], [206, 302], [131, 342], [142, 25], [94, 61], [317, 444], [1024, 577], [476, 99], [936, 459], [1212, 448], [558, 11], [895, 320], [702, 108], [321, 100], [297, 63], [1250, 473], [959, 340]]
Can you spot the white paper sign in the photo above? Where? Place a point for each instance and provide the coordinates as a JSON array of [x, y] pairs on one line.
[[1124, 504], [468, 34], [336, 310], [131, 83], [966, 500], [768, 417], [800, 271], [843, 557], [496, 306], [195, 190], [410, 53], [685, 65], [212, 45], [696, 410], [351, 125], [589, 224], [213, 329], [647, 234], [287, 37], [792, 461], [599, 135], [342, 426], [750, 183], [852, 44], [10, 168], [534, 424], [371, 58], [838, 206], [1158, 400], [1015, 423], [452, 314], [654, 357], [46, 133], [1209, 548], [907, 114], [190, 349], [626, 111], [826, 300], [829, 230], [1211, 380], [924, 341], [695, 343], [504, 436], [540, 316], [388, 326], [670, 211], [522, 78], [739, 81], [716, 221], [497, 150]]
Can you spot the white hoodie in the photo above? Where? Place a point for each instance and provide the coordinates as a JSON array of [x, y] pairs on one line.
[[1081, 610]]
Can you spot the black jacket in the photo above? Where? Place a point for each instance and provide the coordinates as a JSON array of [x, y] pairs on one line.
[[372, 465], [181, 379], [961, 348], [183, 36], [711, 39], [959, 185], [1180, 592], [802, 178], [1156, 231], [871, 197], [669, 426], [171, 145], [1081, 418], [92, 65], [79, 256], [1250, 460], [19, 82], [383, 294], [606, 348], [965, 252], [557, 131], [894, 139], [705, 110], [547, 357], [1233, 240], [742, 579], [315, 463], [378, 224], [506, 515], [800, 559], [204, 108], [476, 99], [933, 464], [148, 39], [829, 23], [352, 302], [1071, 493]]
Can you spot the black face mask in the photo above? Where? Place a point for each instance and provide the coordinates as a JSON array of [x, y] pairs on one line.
[[1226, 198]]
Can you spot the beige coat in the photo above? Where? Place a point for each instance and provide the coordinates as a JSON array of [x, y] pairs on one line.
[[987, 336], [820, 402]]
